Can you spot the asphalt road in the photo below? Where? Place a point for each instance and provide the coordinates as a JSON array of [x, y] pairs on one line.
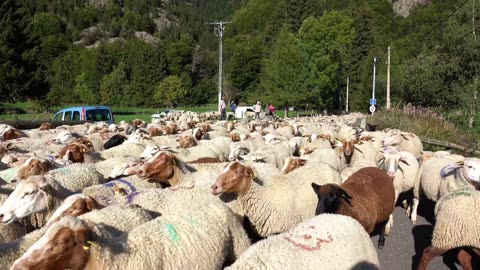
[[403, 248]]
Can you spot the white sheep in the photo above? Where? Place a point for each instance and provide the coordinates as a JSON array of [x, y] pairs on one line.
[[328, 156], [124, 149], [438, 176], [241, 148], [406, 141], [120, 217], [276, 207], [274, 153], [326, 241], [403, 167], [218, 147], [206, 238], [457, 217], [42, 195]]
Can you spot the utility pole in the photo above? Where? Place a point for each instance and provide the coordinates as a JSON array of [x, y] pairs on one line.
[[473, 19], [373, 86], [388, 79], [219, 30], [346, 102]]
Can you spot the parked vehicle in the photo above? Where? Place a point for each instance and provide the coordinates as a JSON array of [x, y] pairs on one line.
[[85, 113]]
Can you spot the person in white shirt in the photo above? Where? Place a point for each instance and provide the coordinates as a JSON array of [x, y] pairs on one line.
[[258, 107], [223, 114]]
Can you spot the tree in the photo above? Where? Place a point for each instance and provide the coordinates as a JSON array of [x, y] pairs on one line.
[[324, 42], [170, 91], [282, 78], [112, 87], [15, 77]]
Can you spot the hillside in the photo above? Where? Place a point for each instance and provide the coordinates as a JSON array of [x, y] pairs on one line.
[[292, 53]]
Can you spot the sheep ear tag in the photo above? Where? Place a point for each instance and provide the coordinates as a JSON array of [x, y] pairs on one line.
[[86, 248], [447, 170]]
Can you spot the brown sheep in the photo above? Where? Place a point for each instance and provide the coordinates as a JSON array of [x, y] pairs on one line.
[[12, 134], [171, 129], [187, 141], [46, 126], [32, 166], [368, 196], [292, 163], [234, 136], [153, 131], [163, 168]]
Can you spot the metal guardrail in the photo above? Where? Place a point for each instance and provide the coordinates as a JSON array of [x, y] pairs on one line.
[[450, 145]]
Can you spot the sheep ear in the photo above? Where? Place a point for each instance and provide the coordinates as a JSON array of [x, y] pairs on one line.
[[9, 146], [460, 163], [91, 203], [405, 136], [358, 149], [404, 162], [302, 161], [316, 188], [340, 193]]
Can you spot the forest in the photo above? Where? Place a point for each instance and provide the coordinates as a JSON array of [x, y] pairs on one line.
[[298, 53]]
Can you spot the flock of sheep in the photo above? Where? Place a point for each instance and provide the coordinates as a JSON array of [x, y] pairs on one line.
[[190, 192]]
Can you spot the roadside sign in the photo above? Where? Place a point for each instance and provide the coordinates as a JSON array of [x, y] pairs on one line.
[[373, 101], [372, 108]]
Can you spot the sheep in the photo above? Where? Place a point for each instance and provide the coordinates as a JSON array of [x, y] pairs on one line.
[[218, 147], [406, 141], [172, 241], [276, 207], [43, 194], [105, 167], [456, 225], [328, 156], [238, 149], [325, 241], [104, 193], [121, 217], [348, 171], [125, 149], [368, 196], [32, 166], [46, 126], [403, 167], [438, 176], [354, 151], [115, 140], [274, 153]]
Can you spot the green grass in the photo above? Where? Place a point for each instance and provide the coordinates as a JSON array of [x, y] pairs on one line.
[[426, 123]]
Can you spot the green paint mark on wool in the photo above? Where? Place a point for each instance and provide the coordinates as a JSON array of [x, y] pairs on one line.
[[191, 221], [9, 174], [172, 232], [457, 193]]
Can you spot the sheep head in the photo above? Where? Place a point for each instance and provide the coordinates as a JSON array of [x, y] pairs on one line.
[[330, 197], [29, 197], [292, 163], [235, 178], [63, 246], [32, 166], [74, 205], [160, 168]]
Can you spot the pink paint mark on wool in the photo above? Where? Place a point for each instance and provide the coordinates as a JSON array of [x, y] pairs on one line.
[[307, 241]]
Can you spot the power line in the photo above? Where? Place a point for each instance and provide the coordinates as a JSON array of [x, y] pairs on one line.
[[435, 50], [445, 19]]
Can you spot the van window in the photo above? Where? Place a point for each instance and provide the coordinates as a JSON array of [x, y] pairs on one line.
[[98, 115], [68, 116], [58, 116], [76, 116]]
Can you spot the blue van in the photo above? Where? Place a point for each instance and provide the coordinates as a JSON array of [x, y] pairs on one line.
[[85, 113]]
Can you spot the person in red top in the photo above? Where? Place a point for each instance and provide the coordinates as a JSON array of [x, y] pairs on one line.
[[271, 109]]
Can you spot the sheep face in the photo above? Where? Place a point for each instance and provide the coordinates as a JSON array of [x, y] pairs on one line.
[[73, 152], [45, 126], [198, 134], [149, 152], [32, 166], [63, 137], [115, 140], [471, 170], [124, 170], [87, 143], [186, 141], [75, 205], [329, 198], [28, 198], [161, 166], [235, 178], [12, 134], [63, 246], [292, 163], [237, 150]]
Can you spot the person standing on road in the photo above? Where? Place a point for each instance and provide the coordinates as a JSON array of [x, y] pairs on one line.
[[223, 114], [258, 108], [271, 109]]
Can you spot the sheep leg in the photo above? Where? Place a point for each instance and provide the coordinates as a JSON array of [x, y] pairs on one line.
[[428, 254], [381, 238], [465, 259], [413, 217], [390, 219]]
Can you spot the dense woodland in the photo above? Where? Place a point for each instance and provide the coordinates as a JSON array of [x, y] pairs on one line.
[[290, 52]]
